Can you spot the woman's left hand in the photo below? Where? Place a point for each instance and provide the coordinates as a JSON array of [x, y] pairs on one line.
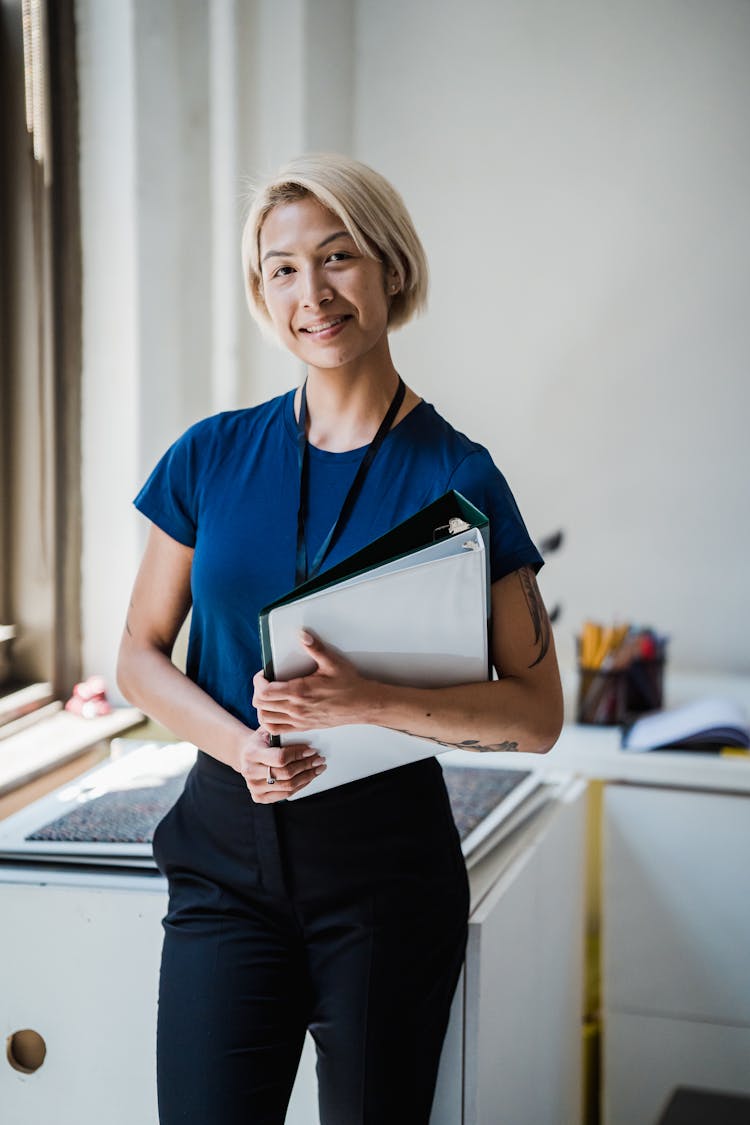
[[334, 694]]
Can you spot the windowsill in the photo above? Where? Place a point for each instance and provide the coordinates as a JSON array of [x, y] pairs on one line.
[[53, 741], [19, 704]]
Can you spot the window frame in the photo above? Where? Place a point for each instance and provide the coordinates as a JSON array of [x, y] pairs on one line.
[[53, 303]]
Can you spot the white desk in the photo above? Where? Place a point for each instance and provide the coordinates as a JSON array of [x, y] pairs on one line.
[[675, 912], [79, 964], [594, 751], [81, 957]]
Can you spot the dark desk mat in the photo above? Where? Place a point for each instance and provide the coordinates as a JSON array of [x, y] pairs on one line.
[[475, 792], [129, 816], [126, 816]]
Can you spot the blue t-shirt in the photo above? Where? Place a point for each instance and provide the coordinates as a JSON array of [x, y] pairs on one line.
[[229, 488]]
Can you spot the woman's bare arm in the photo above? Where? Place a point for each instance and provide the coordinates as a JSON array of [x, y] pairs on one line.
[[147, 677], [521, 710]]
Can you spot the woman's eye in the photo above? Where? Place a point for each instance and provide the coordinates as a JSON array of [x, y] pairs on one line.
[[282, 271], [338, 256]]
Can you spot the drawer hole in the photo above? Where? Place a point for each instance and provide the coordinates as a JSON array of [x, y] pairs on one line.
[[26, 1050]]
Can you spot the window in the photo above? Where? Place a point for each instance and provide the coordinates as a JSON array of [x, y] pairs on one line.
[[40, 352]]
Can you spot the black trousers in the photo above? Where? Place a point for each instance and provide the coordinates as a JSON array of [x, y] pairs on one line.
[[345, 913]]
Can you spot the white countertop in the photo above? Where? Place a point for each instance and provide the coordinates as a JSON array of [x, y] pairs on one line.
[[594, 751]]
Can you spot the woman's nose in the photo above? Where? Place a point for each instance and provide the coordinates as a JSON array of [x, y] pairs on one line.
[[316, 289]]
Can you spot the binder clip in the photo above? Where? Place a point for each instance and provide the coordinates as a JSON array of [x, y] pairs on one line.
[[452, 527]]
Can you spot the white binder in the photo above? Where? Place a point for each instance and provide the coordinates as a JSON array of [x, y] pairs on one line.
[[420, 618]]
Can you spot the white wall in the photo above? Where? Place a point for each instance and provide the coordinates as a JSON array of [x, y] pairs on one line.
[[111, 382], [579, 174], [181, 103]]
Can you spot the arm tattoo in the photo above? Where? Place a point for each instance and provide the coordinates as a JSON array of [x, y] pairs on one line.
[[467, 744], [474, 744], [539, 616]]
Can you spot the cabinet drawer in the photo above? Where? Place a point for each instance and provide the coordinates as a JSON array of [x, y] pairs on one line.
[[646, 1057], [676, 903]]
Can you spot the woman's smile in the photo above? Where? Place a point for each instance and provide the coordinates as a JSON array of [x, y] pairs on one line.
[[326, 329]]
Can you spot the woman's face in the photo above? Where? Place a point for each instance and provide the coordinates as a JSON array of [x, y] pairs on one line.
[[327, 301]]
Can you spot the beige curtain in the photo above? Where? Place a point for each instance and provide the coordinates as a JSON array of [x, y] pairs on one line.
[[40, 341]]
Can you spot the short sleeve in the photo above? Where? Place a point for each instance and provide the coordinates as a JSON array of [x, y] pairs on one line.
[[480, 481], [169, 496]]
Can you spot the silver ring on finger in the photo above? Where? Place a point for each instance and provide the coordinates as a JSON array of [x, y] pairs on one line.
[[270, 779]]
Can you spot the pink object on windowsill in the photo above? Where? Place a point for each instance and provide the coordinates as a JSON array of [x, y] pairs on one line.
[[89, 699]]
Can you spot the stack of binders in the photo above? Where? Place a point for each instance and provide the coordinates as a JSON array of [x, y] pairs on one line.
[[412, 608]]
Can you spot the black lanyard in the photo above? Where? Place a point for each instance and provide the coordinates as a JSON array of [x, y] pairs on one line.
[[301, 572]]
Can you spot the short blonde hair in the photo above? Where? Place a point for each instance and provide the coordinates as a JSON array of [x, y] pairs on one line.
[[370, 208]]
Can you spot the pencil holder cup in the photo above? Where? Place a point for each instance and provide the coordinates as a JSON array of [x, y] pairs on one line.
[[616, 696], [602, 696], [645, 686], [620, 673]]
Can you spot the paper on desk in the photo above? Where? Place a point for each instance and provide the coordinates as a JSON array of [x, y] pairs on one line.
[[710, 721]]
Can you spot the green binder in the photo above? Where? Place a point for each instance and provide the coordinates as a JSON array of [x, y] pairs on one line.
[[439, 521]]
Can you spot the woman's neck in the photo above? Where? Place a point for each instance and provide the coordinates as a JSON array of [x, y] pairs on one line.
[[345, 409]]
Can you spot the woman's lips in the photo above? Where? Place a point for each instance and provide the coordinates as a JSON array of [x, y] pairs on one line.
[[325, 329]]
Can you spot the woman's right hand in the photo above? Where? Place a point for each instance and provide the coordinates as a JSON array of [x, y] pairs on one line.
[[291, 767]]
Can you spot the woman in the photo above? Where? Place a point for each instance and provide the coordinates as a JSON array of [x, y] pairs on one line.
[[345, 912]]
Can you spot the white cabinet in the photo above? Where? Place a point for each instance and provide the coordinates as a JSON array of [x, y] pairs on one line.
[[524, 981], [79, 965], [676, 946]]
